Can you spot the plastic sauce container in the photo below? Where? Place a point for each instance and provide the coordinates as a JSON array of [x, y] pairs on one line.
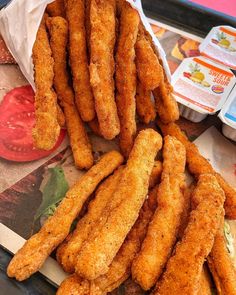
[[228, 116], [201, 87], [220, 46]]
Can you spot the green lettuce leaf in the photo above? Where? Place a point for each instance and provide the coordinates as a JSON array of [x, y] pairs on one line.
[[53, 192]]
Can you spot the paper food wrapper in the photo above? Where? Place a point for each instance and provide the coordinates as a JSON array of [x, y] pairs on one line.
[[19, 33]]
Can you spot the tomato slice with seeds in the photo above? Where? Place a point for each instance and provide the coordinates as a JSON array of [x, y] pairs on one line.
[[17, 118]]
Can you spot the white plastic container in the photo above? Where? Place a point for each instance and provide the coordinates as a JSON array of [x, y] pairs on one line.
[[228, 116], [220, 46], [201, 87]]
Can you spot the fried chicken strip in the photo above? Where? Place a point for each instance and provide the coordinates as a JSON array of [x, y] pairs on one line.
[[120, 268], [219, 261], [102, 65], [149, 69], [197, 165], [126, 76], [205, 282], [56, 8], [79, 141], [144, 105], [166, 104], [32, 255], [75, 13], [46, 130], [69, 249], [184, 268], [67, 252], [163, 229], [94, 126], [120, 215]]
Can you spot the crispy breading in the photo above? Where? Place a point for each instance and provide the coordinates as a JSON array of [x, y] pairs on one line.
[[88, 25], [221, 266], [102, 65], [144, 105], [198, 165], [75, 14], [69, 249], [205, 282], [79, 141], [120, 268], [156, 174], [56, 8], [162, 232], [166, 104], [126, 76], [184, 268], [121, 213], [74, 285], [219, 261], [46, 130], [32, 255], [149, 69]]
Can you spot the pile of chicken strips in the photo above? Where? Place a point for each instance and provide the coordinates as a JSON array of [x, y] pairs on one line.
[[96, 67]]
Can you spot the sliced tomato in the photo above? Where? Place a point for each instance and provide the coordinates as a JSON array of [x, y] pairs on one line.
[[17, 118]]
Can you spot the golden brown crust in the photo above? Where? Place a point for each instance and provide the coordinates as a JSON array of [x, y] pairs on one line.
[[166, 104], [32, 255], [102, 65], [75, 13], [56, 8], [126, 76], [144, 105], [221, 266], [121, 213], [162, 231], [68, 250], [149, 69], [120, 268], [79, 141], [184, 268], [46, 130], [60, 116], [198, 165], [94, 126]]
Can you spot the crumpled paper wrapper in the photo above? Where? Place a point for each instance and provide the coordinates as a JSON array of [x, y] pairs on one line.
[[19, 33], [19, 22]]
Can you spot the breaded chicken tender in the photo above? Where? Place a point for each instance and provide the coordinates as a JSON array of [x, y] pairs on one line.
[[56, 8], [221, 266], [32, 255], [205, 283], [94, 126], [120, 268], [126, 76], [46, 130], [163, 229], [184, 268], [121, 213], [75, 14], [79, 141], [102, 65], [69, 249], [219, 260], [166, 104], [144, 105], [149, 69], [198, 165]]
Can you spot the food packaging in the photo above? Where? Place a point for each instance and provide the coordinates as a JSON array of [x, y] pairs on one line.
[[220, 46], [20, 35], [228, 116], [201, 87]]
